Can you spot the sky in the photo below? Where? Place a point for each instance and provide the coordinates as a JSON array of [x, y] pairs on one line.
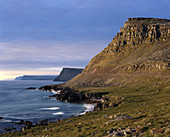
[[40, 37]]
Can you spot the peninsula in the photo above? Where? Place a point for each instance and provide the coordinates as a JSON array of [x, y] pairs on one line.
[[68, 73]]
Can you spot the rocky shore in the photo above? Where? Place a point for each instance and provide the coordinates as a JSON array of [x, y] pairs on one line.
[[101, 99]]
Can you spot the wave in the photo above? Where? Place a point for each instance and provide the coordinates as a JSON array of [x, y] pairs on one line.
[[5, 120], [45, 96], [53, 99], [89, 107], [51, 108], [58, 113]]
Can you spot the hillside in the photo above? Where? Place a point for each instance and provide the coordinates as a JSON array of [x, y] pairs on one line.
[[68, 73], [141, 47]]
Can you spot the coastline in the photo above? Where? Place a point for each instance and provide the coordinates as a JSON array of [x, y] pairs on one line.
[[26, 124], [136, 114]]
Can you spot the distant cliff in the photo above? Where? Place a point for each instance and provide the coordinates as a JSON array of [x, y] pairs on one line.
[[68, 73], [36, 77], [18, 78]]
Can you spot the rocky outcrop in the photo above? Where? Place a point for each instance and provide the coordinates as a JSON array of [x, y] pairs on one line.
[[142, 30], [68, 73], [102, 99]]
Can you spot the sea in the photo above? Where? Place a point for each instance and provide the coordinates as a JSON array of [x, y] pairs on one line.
[[17, 103]]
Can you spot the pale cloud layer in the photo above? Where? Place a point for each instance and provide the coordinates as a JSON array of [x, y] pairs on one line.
[[41, 34]]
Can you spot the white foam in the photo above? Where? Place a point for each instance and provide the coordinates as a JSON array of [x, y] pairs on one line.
[[53, 99], [56, 92], [90, 107], [58, 113], [45, 96], [52, 108], [5, 120]]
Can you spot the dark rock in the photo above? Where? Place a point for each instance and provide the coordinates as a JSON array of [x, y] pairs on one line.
[[98, 107], [32, 88], [28, 123], [111, 130], [43, 122], [45, 88], [20, 123], [7, 129], [68, 73], [127, 133], [1, 117], [118, 134], [13, 128]]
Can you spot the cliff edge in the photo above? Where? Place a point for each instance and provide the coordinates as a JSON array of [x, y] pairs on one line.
[[141, 47], [68, 73]]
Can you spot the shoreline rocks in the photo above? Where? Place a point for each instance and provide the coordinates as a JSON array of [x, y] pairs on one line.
[[31, 88]]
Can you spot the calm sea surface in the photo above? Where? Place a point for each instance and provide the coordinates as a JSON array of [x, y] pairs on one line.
[[17, 103]]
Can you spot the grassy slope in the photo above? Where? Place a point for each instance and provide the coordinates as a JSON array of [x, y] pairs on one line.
[[147, 101], [104, 66]]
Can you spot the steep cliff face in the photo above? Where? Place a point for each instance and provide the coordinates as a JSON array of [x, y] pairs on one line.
[[68, 73], [141, 46]]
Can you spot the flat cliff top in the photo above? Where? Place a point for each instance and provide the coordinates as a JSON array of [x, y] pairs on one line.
[[147, 21], [68, 73]]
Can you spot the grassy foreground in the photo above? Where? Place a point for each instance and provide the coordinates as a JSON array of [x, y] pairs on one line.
[[144, 111]]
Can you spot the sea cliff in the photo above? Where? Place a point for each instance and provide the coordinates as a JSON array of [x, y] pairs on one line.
[[68, 73]]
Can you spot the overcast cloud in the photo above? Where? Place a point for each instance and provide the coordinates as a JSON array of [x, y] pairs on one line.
[[37, 34]]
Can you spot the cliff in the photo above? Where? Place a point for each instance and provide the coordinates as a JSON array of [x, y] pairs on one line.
[[141, 47], [18, 78], [37, 77], [68, 73]]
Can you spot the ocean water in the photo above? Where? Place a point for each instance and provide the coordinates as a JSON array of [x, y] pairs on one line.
[[17, 103]]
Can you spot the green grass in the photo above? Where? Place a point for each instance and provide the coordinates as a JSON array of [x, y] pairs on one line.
[[146, 101]]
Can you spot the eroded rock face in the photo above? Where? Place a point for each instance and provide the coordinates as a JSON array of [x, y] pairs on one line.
[[142, 45], [140, 30], [136, 33], [68, 73]]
